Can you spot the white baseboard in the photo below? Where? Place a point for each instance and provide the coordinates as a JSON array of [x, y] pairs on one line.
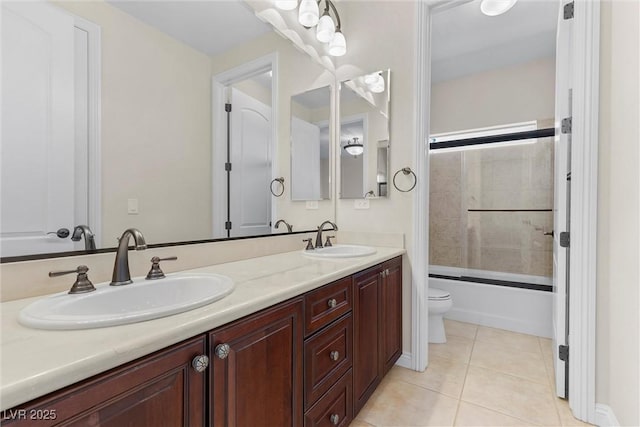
[[605, 416], [405, 361]]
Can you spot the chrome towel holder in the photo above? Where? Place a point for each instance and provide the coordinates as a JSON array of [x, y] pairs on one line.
[[281, 181], [406, 171]]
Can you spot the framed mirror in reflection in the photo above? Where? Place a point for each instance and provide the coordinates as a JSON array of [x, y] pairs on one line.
[[364, 135], [110, 122], [310, 136]]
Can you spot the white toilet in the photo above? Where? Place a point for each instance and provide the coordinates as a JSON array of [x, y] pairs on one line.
[[439, 303]]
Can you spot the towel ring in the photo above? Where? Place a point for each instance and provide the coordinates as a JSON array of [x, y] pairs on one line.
[[405, 171], [281, 181]]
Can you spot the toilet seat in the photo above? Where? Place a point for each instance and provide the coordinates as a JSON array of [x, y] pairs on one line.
[[438, 294]]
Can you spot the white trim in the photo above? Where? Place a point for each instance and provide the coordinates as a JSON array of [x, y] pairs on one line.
[[584, 183], [419, 266], [219, 125], [94, 115], [605, 416], [405, 360]]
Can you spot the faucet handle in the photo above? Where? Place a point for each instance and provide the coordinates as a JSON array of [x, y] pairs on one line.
[[328, 242], [82, 283], [309, 244], [156, 272]]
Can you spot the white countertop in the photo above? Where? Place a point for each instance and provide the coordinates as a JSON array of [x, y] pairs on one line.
[[36, 362]]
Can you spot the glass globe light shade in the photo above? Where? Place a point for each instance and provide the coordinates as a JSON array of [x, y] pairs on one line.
[[325, 29], [308, 13], [338, 44]]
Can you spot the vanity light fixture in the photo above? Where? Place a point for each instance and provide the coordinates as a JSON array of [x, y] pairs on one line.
[[286, 4], [374, 82], [327, 30], [353, 147], [496, 7]]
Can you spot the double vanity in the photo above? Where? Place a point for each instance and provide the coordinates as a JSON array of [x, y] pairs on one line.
[[300, 340]]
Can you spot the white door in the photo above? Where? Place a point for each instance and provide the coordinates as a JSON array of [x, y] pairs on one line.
[[250, 197], [37, 190], [562, 180], [305, 160]]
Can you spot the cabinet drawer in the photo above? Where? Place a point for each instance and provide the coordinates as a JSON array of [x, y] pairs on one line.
[[326, 304], [335, 408], [327, 356]]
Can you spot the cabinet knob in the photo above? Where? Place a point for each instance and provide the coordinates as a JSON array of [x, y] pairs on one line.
[[200, 363], [334, 355], [332, 303], [222, 351], [335, 419]]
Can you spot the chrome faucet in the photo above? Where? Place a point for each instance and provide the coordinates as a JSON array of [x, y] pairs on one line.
[[320, 229], [121, 274], [89, 240], [289, 226]]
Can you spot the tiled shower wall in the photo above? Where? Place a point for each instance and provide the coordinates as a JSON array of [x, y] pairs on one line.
[[518, 177]]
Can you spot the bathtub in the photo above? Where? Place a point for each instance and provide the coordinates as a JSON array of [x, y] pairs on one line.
[[508, 305]]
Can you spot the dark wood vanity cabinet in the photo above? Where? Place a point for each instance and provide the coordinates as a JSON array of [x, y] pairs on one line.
[[377, 314], [310, 361], [162, 389], [256, 370]]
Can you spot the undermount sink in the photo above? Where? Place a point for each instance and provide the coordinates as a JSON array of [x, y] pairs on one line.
[[341, 251], [119, 305]]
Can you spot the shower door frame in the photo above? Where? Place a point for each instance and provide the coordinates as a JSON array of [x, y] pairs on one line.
[[585, 76]]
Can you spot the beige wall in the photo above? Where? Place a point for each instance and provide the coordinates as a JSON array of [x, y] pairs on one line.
[[155, 109], [513, 94], [618, 295], [390, 46]]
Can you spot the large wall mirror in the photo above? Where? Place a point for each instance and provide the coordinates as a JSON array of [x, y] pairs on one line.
[[364, 136], [192, 95], [310, 154]]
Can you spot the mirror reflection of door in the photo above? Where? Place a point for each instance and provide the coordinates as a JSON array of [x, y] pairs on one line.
[[310, 114], [250, 154], [45, 129]]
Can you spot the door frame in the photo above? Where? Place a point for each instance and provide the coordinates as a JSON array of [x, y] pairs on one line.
[[584, 160], [219, 82]]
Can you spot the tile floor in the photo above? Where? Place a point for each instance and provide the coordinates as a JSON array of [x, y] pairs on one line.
[[480, 377]]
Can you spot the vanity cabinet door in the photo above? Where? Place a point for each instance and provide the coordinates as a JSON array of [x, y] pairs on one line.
[[366, 337], [391, 313], [162, 389], [256, 378]]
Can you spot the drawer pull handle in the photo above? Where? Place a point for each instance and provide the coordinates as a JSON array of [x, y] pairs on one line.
[[332, 303], [334, 355], [335, 419], [200, 363], [222, 351]]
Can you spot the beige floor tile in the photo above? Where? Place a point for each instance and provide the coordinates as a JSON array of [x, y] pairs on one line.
[[472, 415], [517, 397], [397, 403], [507, 338], [359, 423], [456, 348], [566, 417], [445, 376], [460, 329], [546, 346], [510, 360]]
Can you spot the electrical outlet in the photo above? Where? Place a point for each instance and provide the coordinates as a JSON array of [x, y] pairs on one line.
[[312, 204], [361, 203], [132, 206]]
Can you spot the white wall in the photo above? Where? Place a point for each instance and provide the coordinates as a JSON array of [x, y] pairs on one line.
[[155, 109], [618, 294], [518, 93], [381, 35]]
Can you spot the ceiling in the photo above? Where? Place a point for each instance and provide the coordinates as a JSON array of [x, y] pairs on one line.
[[464, 41], [211, 27]]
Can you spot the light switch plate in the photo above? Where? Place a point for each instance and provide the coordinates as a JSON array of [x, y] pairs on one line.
[[361, 203], [132, 206], [312, 204]]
